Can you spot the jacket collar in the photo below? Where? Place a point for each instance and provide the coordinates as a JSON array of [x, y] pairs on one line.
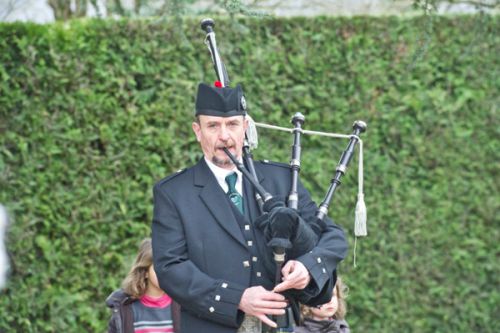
[[117, 298]]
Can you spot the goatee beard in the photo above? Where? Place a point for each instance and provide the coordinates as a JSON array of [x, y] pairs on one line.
[[221, 162]]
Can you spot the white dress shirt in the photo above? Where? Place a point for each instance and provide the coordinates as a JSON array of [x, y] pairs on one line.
[[221, 174]]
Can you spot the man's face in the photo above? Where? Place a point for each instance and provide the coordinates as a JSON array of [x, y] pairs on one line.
[[215, 133]]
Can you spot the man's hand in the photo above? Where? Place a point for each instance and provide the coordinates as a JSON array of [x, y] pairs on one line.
[[259, 302], [295, 276]]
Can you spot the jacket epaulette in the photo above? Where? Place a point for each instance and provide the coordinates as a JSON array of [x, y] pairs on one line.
[[171, 176], [283, 165]]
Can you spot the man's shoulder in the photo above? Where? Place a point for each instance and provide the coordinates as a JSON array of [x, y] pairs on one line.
[[272, 168], [272, 164], [173, 178]]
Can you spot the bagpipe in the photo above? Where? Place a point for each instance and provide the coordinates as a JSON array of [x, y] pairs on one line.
[[288, 235]]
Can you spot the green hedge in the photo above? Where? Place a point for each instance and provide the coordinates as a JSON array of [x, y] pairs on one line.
[[92, 113]]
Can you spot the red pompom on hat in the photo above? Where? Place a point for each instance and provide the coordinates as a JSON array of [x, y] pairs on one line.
[[218, 84]]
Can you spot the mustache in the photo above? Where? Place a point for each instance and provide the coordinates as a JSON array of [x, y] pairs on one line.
[[224, 146]]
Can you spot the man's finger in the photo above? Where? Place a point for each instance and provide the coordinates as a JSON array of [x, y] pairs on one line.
[[295, 283], [271, 312], [295, 275], [282, 286], [263, 305], [263, 318], [287, 269], [272, 296]]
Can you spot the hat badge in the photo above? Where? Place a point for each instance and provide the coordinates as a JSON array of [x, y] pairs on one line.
[[243, 103]]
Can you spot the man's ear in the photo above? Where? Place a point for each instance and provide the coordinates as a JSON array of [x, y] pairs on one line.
[[245, 123], [197, 130]]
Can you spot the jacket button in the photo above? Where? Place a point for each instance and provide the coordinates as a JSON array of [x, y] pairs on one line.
[[211, 309], [246, 263]]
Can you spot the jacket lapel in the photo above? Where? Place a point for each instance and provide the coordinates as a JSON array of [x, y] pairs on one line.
[[215, 200]]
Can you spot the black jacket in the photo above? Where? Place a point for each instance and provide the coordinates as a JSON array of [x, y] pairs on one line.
[[201, 254], [122, 317], [323, 326]]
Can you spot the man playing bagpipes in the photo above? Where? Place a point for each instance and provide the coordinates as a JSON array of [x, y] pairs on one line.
[[223, 227]]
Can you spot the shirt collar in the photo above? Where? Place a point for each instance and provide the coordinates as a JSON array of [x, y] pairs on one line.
[[220, 174], [156, 302]]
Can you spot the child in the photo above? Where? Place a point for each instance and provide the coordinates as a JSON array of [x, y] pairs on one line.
[[141, 305], [329, 317]]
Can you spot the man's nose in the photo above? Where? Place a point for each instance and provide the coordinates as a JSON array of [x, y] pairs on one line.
[[224, 134]]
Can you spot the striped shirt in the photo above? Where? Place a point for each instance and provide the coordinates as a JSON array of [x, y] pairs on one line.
[[153, 315]]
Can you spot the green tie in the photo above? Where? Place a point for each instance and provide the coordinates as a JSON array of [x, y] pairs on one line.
[[235, 197]]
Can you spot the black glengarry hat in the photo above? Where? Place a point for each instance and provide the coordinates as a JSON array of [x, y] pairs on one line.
[[220, 102]]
